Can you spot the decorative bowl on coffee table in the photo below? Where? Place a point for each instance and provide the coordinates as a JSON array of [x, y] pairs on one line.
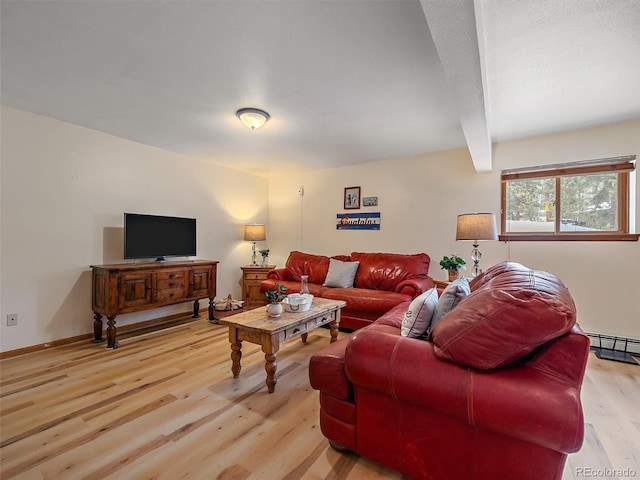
[[297, 302]]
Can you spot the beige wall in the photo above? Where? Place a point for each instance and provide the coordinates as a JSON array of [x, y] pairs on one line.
[[64, 191], [419, 199]]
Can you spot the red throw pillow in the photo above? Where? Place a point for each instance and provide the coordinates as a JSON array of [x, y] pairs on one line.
[[505, 320]]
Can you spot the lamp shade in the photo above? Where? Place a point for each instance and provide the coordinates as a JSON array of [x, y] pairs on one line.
[[255, 232], [477, 226]]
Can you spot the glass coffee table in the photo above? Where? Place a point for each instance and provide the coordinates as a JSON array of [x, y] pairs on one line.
[[257, 327]]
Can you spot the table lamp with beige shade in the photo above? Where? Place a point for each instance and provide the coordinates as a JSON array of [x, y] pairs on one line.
[[476, 227], [254, 232]]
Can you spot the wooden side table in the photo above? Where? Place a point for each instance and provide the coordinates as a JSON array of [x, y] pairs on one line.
[[441, 283], [252, 277]]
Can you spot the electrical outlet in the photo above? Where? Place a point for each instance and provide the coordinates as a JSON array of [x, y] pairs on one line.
[[12, 319], [301, 190]]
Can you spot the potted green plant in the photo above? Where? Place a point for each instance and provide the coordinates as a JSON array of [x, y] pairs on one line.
[[453, 265], [274, 296], [265, 256]]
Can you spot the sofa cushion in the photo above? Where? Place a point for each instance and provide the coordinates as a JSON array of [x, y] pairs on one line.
[[450, 297], [495, 271], [315, 266], [384, 271], [341, 274], [363, 300], [418, 316], [505, 319]]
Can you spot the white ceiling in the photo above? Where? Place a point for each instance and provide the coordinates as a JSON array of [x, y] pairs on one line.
[[345, 82]]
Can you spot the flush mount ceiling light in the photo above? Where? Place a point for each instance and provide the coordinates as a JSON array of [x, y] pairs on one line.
[[252, 117]]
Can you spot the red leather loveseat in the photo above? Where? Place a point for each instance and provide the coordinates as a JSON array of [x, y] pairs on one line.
[[493, 393], [382, 281]]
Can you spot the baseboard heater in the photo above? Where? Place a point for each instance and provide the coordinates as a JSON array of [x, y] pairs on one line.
[[619, 349]]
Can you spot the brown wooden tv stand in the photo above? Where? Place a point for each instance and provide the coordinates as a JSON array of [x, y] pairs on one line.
[[133, 287]]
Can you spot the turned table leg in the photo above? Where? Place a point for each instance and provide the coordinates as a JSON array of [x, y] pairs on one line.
[[97, 329], [270, 367], [333, 326], [196, 309], [333, 330], [112, 343], [270, 346], [236, 351], [236, 355]]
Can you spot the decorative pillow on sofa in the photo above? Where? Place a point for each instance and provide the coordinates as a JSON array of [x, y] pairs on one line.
[[341, 274], [493, 326], [418, 316], [450, 297]]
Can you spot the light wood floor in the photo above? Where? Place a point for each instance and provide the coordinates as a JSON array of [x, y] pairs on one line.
[[165, 406]]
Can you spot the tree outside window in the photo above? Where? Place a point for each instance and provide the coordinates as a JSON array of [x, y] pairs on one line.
[[577, 201]]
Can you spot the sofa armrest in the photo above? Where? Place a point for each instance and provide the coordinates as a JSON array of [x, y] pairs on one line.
[[406, 369], [415, 286], [280, 274], [516, 401]]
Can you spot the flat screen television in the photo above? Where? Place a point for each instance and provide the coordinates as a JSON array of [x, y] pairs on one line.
[[156, 236]]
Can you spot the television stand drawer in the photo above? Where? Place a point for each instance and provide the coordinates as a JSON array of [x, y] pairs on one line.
[[171, 276], [171, 294], [162, 285]]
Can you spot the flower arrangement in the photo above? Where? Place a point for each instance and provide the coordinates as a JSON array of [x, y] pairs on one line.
[[265, 255], [275, 295]]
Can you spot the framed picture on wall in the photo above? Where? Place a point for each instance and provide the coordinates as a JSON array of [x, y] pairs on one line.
[[351, 198]]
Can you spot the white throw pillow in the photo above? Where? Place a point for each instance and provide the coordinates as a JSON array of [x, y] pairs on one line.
[[341, 274], [451, 296], [417, 318]]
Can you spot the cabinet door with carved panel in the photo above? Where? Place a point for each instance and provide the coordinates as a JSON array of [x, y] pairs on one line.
[[200, 282], [135, 290]]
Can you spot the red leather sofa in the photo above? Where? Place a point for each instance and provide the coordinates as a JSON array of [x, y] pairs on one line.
[[382, 281], [493, 393]]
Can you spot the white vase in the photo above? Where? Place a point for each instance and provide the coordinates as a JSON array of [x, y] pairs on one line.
[[274, 309]]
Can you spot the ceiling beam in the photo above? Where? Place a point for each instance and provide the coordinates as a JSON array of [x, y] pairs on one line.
[[457, 31]]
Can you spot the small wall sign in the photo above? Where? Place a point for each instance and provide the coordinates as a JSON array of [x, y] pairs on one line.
[[369, 201], [358, 221]]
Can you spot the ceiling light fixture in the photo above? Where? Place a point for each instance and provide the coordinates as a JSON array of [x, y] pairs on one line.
[[252, 117]]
